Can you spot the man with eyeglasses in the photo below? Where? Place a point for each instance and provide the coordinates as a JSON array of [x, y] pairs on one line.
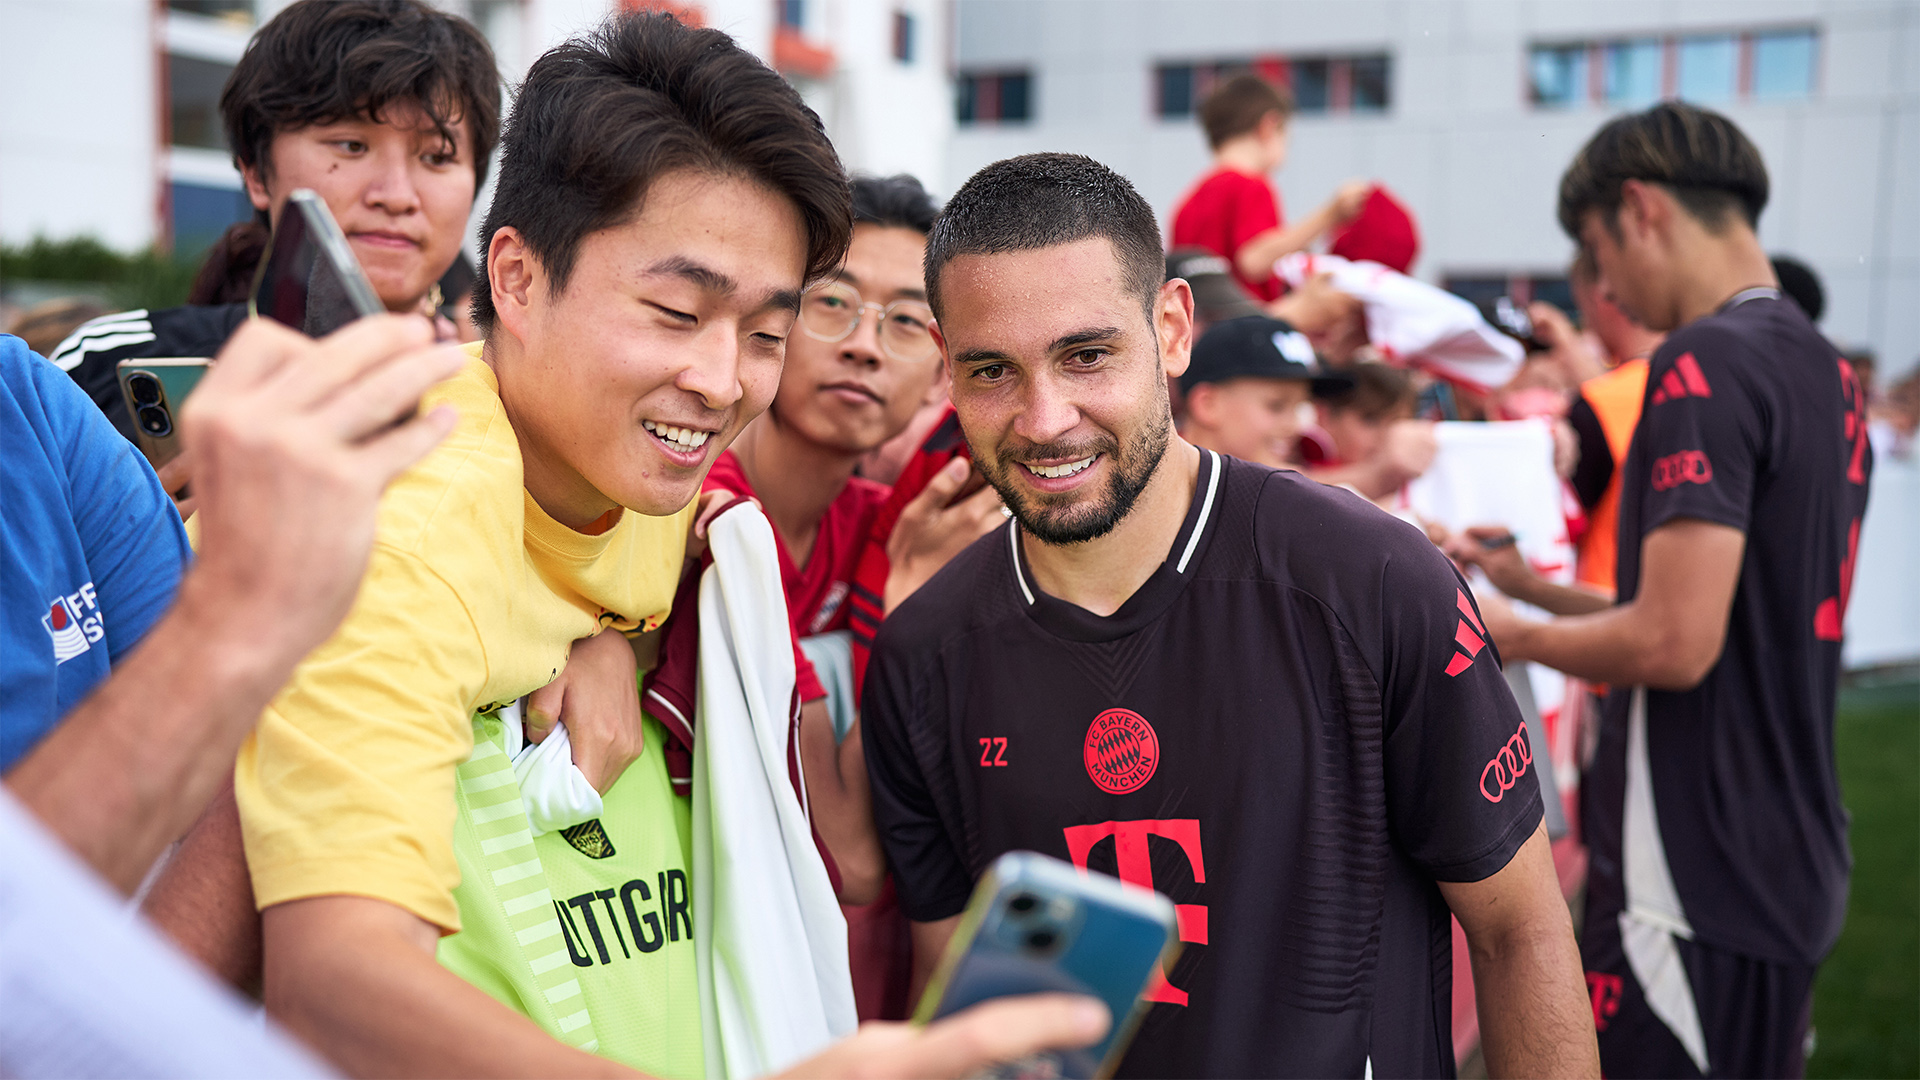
[[859, 363]]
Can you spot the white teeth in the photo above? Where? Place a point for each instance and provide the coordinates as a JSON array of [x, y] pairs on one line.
[[681, 438], [1055, 472]]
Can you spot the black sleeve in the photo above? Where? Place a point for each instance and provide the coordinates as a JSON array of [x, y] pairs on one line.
[[928, 872], [91, 355], [1461, 792], [1595, 469], [1704, 437]]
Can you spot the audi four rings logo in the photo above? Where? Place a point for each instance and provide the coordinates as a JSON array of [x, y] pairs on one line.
[[1685, 467], [1507, 766]]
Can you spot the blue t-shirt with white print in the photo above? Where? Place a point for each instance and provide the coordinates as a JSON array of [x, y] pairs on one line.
[[91, 548]]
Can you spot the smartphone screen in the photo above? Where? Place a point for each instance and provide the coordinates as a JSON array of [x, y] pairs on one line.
[[310, 279]]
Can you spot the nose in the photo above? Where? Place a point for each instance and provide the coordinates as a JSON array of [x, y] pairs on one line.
[[713, 369], [862, 346], [391, 187], [1046, 413]]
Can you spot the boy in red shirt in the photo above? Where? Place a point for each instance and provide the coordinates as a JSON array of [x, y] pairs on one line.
[[1234, 211]]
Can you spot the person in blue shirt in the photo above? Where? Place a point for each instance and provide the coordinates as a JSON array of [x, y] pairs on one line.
[[91, 547]]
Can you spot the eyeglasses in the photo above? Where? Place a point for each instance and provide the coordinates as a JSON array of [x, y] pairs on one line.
[[832, 311]]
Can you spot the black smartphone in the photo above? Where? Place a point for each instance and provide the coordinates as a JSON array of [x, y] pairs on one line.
[[310, 279], [153, 389]]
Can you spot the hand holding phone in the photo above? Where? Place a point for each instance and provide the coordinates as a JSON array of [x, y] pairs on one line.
[[1038, 925]]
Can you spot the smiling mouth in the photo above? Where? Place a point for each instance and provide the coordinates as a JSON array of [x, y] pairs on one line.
[[685, 440], [1059, 472]]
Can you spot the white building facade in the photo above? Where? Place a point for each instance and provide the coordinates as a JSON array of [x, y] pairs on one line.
[[1470, 110]]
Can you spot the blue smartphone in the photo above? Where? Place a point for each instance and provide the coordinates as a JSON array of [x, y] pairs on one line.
[[1038, 925]]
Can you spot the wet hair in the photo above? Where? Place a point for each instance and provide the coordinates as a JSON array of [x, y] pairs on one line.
[[1238, 106], [1042, 201], [601, 117], [1712, 169], [893, 201], [322, 61]]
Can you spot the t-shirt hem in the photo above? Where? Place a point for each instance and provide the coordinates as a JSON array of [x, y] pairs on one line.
[[1496, 857], [303, 881]]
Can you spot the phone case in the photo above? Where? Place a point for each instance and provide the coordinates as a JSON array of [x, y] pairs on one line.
[[1036, 924], [310, 279], [153, 421]]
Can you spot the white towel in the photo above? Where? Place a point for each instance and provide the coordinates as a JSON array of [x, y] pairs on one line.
[[771, 942], [555, 791]]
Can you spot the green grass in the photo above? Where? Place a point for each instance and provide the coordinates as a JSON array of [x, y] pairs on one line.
[[1866, 1005]]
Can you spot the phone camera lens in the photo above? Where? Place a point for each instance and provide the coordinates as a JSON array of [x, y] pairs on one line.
[[1041, 940], [145, 388], [1022, 903], [155, 421]]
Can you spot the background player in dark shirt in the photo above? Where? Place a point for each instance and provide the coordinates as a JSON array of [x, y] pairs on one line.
[[1254, 693], [1720, 861]]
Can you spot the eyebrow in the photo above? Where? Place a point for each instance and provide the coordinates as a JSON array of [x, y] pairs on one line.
[[711, 280], [1065, 341], [853, 279]]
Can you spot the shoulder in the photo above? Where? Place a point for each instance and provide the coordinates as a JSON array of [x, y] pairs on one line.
[[470, 487], [976, 588], [1331, 543], [42, 396]]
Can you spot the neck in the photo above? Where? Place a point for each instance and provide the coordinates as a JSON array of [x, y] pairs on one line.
[[555, 486], [794, 478], [1101, 574], [1242, 155], [1718, 266], [1637, 342]]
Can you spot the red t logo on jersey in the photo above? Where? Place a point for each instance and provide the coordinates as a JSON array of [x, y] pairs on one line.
[[1136, 868], [1604, 989]]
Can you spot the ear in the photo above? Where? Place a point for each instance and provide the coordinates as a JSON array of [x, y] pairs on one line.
[[937, 386], [1644, 209], [513, 275], [257, 192], [1173, 324]]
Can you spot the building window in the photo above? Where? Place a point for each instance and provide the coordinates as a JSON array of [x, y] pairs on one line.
[[200, 213], [1759, 65], [1559, 75], [193, 99], [793, 13], [995, 98], [1783, 66], [1709, 68], [903, 37], [1633, 72], [238, 13], [1320, 84]]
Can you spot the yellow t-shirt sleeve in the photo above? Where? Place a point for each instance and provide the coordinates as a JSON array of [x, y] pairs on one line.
[[347, 784]]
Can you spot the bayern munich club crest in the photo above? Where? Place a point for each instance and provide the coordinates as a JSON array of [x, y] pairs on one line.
[[1121, 751]]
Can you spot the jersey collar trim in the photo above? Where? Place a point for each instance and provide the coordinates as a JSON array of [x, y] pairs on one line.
[[1077, 623], [1758, 292]]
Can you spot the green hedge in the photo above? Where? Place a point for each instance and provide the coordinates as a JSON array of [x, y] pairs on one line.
[[148, 279]]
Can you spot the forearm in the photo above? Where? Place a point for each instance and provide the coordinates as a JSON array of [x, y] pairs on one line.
[[129, 769], [357, 980], [203, 900], [1556, 598], [1256, 257], [1626, 645], [842, 803], [1535, 1019]]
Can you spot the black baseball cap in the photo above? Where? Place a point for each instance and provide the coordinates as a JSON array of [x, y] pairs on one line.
[[1259, 346]]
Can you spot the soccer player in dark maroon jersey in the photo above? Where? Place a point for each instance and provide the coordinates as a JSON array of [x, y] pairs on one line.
[[1256, 694], [1719, 848]]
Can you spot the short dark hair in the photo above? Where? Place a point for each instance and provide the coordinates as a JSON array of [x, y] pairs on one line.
[[1708, 164], [1239, 105], [601, 117], [1801, 285], [321, 61], [1377, 391], [1045, 200], [894, 201]]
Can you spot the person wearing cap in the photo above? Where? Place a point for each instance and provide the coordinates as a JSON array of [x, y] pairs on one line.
[[1246, 388]]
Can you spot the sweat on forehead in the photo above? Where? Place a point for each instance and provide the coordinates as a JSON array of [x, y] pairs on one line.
[[1046, 200]]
